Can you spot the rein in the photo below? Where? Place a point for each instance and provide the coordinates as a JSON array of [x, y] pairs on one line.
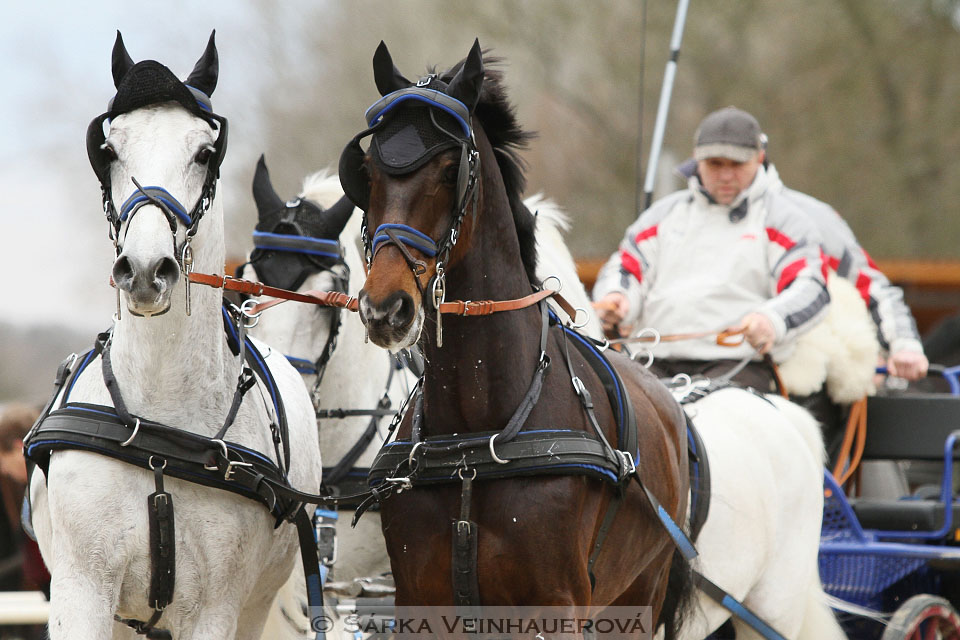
[[350, 303], [723, 338]]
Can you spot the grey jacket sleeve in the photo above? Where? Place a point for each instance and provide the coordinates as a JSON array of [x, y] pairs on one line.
[[896, 327], [799, 275]]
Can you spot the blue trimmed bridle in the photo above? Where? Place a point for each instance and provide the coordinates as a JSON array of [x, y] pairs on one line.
[[401, 235]]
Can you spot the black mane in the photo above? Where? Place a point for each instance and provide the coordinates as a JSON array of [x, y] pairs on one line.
[[499, 121]]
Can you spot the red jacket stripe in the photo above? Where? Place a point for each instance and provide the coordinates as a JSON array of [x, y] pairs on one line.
[[631, 265], [863, 286], [649, 232], [790, 272], [784, 241]]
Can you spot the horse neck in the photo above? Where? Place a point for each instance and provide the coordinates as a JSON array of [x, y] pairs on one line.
[[174, 364], [482, 371]]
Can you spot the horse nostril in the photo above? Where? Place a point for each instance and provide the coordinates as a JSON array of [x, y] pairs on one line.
[[123, 273], [166, 273], [401, 312]]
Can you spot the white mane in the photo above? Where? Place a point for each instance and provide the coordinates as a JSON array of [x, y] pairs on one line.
[[322, 187]]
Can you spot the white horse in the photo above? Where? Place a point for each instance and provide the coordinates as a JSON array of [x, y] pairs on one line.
[[762, 534], [356, 376], [90, 512]]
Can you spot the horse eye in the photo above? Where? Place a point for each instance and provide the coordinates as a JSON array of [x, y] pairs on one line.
[[203, 155], [109, 151], [451, 173]]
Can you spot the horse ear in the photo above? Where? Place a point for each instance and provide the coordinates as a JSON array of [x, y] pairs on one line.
[[339, 214], [205, 73], [263, 193], [385, 74], [121, 62], [466, 85]]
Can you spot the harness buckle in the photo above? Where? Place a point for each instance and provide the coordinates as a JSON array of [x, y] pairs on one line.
[[228, 474], [405, 482], [628, 467], [326, 533], [578, 385]]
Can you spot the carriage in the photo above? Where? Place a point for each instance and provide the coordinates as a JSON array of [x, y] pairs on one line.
[[892, 557]]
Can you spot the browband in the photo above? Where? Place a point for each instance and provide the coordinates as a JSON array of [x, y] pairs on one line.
[[430, 97]]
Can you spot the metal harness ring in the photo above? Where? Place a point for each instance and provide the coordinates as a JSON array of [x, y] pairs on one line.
[[493, 454], [136, 429]]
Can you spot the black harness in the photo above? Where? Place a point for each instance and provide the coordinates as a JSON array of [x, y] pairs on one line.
[[213, 462]]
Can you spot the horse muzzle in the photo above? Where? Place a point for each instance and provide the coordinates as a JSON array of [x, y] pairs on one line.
[[148, 285], [394, 322]]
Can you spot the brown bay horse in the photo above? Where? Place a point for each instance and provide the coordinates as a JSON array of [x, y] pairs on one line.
[[444, 152]]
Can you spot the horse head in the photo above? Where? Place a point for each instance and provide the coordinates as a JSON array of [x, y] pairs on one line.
[[161, 160], [297, 246], [416, 182]]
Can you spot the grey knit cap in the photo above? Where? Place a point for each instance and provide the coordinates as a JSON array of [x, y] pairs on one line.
[[728, 133]]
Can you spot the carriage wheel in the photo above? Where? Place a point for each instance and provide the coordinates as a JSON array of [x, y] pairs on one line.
[[924, 617]]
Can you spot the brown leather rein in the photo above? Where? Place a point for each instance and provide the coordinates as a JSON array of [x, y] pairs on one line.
[[350, 303], [724, 338]]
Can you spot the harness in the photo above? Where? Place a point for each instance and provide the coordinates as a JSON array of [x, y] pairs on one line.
[[165, 450]]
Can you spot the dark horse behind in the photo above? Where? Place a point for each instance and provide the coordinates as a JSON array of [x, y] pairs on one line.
[[441, 186]]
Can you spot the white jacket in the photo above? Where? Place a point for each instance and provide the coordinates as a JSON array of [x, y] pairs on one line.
[[689, 265], [896, 328]]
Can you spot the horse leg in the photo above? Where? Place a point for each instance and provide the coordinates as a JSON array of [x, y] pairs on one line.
[[80, 609]]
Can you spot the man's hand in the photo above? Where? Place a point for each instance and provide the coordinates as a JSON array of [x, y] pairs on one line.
[[910, 365], [757, 330], [612, 309]]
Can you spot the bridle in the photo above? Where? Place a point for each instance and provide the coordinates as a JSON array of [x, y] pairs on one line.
[[101, 160], [400, 235]]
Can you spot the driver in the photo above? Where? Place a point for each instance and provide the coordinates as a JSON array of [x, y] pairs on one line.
[[729, 252]]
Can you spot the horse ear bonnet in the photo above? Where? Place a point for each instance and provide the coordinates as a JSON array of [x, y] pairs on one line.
[[148, 83], [293, 239], [408, 127]]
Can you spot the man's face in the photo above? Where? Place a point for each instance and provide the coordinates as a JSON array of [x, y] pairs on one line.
[[724, 178]]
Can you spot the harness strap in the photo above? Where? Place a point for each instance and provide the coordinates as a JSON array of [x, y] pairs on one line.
[[147, 628], [612, 507], [466, 585], [734, 606], [162, 543], [311, 565], [346, 463]]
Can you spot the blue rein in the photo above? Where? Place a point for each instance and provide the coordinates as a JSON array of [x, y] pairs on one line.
[[408, 236], [142, 197]]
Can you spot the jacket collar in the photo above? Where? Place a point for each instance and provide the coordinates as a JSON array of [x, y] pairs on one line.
[[737, 210]]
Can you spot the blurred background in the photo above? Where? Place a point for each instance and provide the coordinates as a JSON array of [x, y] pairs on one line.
[[860, 99]]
